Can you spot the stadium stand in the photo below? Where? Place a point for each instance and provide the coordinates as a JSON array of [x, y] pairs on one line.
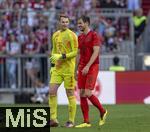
[[145, 6], [143, 48]]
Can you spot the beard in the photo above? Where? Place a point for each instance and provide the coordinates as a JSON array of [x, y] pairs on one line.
[[82, 29]]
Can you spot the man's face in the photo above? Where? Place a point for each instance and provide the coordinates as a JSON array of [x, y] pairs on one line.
[[81, 25], [64, 22]]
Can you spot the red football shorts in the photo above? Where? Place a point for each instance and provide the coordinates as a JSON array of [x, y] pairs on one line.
[[88, 81]]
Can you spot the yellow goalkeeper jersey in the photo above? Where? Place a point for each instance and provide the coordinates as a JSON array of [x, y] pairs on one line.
[[65, 42]]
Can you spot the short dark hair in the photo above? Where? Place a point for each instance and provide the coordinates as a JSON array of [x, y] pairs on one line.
[[85, 19], [63, 15]]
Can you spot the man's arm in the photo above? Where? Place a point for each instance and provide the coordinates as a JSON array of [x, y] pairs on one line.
[[77, 63], [53, 50], [95, 54], [96, 50], [53, 46], [74, 46], [74, 50]]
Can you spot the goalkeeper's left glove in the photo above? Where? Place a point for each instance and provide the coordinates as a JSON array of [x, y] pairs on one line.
[[55, 57]]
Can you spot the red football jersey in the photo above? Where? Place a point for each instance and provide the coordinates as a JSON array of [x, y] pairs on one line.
[[86, 44]]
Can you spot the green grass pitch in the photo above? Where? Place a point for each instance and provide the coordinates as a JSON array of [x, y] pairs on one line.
[[121, 118]]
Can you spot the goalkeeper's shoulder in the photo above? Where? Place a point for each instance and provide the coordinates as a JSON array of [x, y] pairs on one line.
[[56, 33], [73, 34]]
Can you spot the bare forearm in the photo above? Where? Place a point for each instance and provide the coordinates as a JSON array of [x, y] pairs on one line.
[[94, 56], [92, 59]]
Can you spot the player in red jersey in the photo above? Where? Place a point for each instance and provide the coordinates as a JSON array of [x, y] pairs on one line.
[[88, 68]]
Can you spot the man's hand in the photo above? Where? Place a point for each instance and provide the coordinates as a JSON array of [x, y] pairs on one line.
[[85, 70], [55, 57]]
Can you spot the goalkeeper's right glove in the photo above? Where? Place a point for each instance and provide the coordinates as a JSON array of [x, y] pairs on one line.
[[52, 62], [55, 57]]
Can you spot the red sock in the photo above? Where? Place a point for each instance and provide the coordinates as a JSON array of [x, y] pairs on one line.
[[85, 108], [94, 100]]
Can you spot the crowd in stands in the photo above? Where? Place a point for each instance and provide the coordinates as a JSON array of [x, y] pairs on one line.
[[26, 27], [69, 4], [24, 31]]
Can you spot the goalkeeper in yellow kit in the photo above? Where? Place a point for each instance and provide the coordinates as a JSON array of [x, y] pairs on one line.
[[64, 51]]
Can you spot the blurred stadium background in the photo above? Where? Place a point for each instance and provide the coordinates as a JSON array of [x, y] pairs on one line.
[[26, 27]]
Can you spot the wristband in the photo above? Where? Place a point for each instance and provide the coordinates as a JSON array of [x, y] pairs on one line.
[[63, 56], [52, 65]]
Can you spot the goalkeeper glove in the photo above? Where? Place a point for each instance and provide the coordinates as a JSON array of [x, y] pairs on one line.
[[53, 62], [55, 57]]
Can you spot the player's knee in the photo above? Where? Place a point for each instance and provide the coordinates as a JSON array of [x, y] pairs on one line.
[[52, 92], [82, 93], [87, 93], [70, 92], [53, 89]]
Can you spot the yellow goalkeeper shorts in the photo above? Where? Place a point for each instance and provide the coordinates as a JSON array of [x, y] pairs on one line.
[[58, 78]]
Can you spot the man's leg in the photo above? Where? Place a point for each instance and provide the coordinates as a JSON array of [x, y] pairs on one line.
[[84, 106], [83, 101], [71, 107], [69, 83], [55, 82], [85, 110], [89, 86], [53, 101], [94, 100]]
